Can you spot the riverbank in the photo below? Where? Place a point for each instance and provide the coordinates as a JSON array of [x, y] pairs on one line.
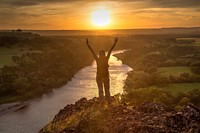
[[22, 101], [41, 110], [10, 107], [89, 116], [36, 65]]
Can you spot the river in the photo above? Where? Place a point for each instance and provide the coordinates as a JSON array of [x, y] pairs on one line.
[[40, 111]]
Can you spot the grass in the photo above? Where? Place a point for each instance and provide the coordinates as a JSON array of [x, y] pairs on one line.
[[7, 53], [186, 38], [181, 87], [174, 70], [6, 59], [196, 43]]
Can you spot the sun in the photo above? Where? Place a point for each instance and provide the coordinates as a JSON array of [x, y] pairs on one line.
[[100, 18]]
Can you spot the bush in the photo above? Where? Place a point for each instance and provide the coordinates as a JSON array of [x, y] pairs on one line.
[[183, 78], [152, 70], [138, 96], [140, 79], [178, 107], [195, 70], [184, 101], [192, 96]]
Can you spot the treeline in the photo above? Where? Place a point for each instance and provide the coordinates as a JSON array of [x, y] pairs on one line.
[[141, 79], [138, 96], [8, 39]]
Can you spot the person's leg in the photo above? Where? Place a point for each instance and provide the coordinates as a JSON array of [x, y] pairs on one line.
[[107, 89], [100, 88]]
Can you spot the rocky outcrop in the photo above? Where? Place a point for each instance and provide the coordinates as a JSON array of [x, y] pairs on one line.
[[90, 116]]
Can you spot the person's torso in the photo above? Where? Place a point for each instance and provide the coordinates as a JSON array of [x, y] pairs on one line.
[[102, 67]]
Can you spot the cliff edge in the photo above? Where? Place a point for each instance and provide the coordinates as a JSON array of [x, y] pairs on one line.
[[89, 116]]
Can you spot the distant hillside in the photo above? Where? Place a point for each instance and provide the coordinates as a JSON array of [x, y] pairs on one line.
[[22, 35], [192, 30]]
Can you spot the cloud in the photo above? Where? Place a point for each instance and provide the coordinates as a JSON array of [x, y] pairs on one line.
[[29, 25], [175, 3], [21, 3], [152, 3], [58, 12]]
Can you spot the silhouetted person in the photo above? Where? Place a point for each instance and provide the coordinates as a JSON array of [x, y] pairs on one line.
[[102, 77]]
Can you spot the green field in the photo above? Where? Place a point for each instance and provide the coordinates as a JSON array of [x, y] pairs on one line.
[[196, 43], [174, 70], [186, 38], [5, 59], [182, 87], [7, 53]]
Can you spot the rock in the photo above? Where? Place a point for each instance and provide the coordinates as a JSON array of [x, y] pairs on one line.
[[148, 117], [191, 112], [149, 107]]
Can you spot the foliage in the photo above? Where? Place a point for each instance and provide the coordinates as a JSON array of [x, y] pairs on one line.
[[195, 67], [37, 72], [138, 96], [174, 70], [140, 79], [177, 50], [8, 40], [165, 65], [184, 101], [193, 96], [178, 107]]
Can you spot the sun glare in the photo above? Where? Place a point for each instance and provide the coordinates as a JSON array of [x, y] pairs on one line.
[[100, 18]]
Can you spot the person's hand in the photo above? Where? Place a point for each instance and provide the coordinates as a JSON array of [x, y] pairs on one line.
[[116, 39], [87, 41]]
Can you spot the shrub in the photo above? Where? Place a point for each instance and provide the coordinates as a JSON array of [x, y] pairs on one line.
[[195, 70], [194, 96], [184, 101], [138, 96], [152, 70], [178, 107]]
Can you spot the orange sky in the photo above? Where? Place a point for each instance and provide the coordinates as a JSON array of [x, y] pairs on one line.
[[76, 14]]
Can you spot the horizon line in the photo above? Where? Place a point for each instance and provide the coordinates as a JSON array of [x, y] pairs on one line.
[[146, 28]]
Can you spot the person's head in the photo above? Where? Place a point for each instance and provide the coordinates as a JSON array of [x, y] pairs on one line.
[[102, 53]]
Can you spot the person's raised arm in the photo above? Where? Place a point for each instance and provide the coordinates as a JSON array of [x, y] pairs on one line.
[[92, 51], [115, 42]]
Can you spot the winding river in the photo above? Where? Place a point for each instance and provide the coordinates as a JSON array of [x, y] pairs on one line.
[[40, 111]]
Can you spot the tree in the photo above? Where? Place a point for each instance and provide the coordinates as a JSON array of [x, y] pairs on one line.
[[19, 30]]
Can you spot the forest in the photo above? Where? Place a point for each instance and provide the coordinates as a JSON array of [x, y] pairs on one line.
[[31, 65]]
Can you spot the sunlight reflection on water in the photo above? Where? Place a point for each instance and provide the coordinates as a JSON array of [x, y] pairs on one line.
[[42, 110]]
